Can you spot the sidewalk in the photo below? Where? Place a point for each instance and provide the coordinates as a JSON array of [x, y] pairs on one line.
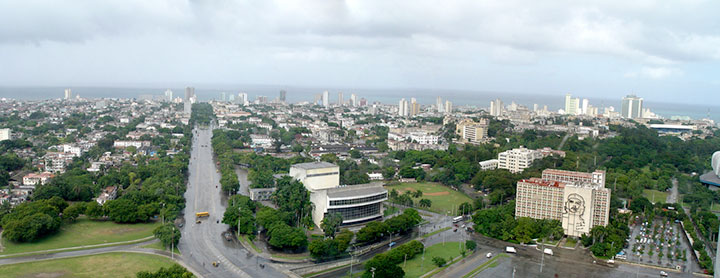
[[77, 247]]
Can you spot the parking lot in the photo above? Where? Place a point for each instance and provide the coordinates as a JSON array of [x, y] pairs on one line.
[[659, 242]]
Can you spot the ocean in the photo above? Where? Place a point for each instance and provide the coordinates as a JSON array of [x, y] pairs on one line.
[[480, 99]]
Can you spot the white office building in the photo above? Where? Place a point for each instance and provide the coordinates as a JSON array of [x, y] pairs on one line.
[[517, 160], [356, 203], [5, 134]]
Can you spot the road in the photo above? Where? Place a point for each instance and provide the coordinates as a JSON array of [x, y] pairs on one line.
[[526, 263], [203, 243], [673, 196]]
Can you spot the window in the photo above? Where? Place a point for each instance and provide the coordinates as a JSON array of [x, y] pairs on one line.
[[359, 200]]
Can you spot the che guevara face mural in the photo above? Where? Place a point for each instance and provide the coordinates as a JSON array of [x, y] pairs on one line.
[[575, 207]]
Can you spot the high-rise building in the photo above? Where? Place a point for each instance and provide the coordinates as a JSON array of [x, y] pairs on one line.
[[68, 93], [632, 107], [168, 95], [341, 101], [496, 107], [572, 105], [242, 98], [231, 98], [579, 200], [448, 107], [353, 100], [223, 96], [585, 106], [471, 131], [414, 107], [189, 92], [517, 160], [5, 134], [363, 102], [326, 99], [283, 95], [403, 108], [439, 104]]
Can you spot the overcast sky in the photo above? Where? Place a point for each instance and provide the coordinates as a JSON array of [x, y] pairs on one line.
[[662, 50]]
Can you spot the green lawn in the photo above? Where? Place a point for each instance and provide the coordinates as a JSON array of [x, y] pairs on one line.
[[83, 232], [436, 232], [416, 268], [570, 242], [104, 265], [443, 198], [660, 196]]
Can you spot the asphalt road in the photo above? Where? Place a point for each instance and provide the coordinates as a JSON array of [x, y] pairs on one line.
[[203, 243]]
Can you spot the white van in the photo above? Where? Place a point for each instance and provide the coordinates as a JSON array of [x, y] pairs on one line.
[[510, 250], [488, 255], [548, 251]]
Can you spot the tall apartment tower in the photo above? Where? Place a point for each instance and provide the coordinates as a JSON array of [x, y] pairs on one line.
[[632, 107], [448, 107], [68, 93], [353, 100], [439, 104], [283, 95], [341, 101], [189, 92], [496, 107], [326, 99], [572, 105], [414, 107], [168, 95], [403, 108]]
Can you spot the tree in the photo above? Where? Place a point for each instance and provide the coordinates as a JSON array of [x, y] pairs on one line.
[[465, 208], [175, 271], [283, 236], [470, 245], [73, 211], [167, 234], [93, 209], [439, 262], [122, 211], [382, 267], [426, 203], [331, 223]]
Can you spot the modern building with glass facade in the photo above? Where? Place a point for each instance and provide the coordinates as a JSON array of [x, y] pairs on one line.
[[356, 203]]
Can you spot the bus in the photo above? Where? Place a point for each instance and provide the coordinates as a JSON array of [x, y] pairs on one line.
[[202, 214], [457, 219]]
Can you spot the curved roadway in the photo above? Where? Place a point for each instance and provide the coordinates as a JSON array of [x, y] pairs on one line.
[[203, 243]]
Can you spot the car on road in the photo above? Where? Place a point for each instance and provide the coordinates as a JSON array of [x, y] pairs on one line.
[[510, 249], [488, 255], [663, 274], [215, 264], [392, 244], [228, 236], [548, 251], [198, 221]]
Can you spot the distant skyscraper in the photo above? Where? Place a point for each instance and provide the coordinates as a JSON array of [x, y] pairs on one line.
[[223, 95], [439, 104], [231, 98], [283, 95], [632, 107], [189, 92], [168, 95], [403, 109], [585, 106], [572, 105], [242, 98], [353, 100], [496, 107], [414, 107], [448, 107], [340, 99], [326, 99], [68, 93], [363, 102]]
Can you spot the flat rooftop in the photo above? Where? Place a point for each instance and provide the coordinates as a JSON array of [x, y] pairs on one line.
[[710, 178], [356, 190], [314, 165]]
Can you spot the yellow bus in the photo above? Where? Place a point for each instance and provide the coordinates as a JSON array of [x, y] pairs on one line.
[[202, 214]]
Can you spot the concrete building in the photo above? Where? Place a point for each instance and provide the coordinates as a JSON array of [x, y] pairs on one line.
[[448, 107], [68, 93], [5, 134], [168, 95], [356, 203], [326, 99], [517, 160], [283, 96], [471, 131], [341, 101], [403, 108], [491, 164], [572, 105], [439, 104], [632, 107], [189, 93], [579, 200], [37, 178], [712, 179], [496, 108], [414, 107], [242, 99], [261, 140]]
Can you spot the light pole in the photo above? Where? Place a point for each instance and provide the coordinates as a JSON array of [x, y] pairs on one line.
[[542, 261], [172, 244]]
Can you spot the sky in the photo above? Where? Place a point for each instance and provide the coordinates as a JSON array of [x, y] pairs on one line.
[[661, 50]]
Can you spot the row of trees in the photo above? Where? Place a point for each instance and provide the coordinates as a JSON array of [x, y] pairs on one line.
[[376, 231], [386, 264], [331, 248], [500, 223]]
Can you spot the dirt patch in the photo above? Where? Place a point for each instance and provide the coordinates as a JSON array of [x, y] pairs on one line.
[[437, 193]]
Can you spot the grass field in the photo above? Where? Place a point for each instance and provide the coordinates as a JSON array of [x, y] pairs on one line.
[[659, 196], [443, 198], [570, 242], [83, 232], [104, 265], [416, 268], [158, 245]]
